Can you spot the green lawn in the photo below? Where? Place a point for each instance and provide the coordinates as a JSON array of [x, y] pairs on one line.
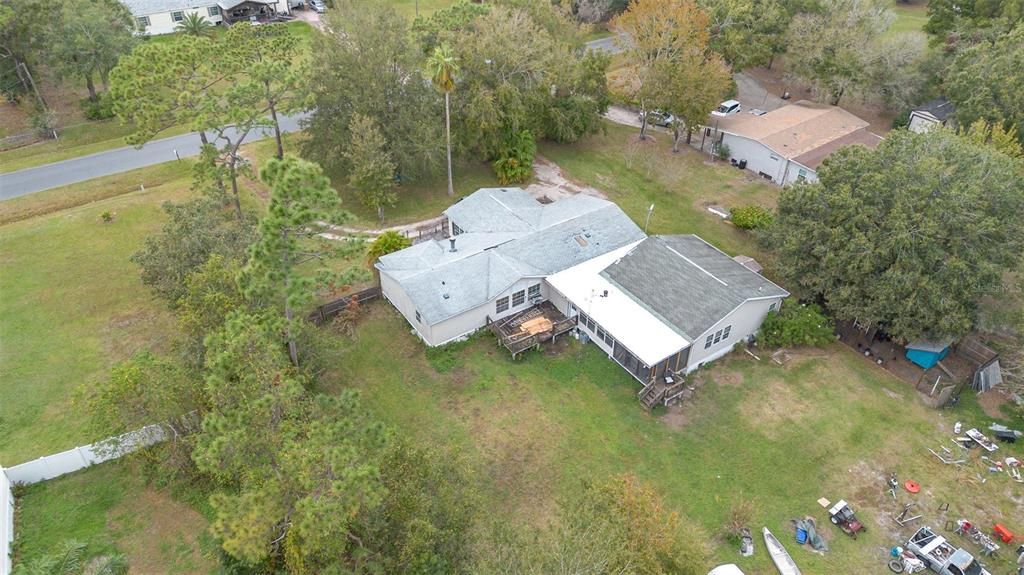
[[419, 200], [909, 17], [410, 8], [827, 424], [109, 508], [73, 304], [681, 186]]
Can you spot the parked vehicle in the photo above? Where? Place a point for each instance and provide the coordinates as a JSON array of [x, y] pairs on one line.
[[658, 118], [729, 569], [942, 557], [318, 5], [727, 108]]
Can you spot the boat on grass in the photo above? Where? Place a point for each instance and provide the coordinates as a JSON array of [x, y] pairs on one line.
[[783, 561]]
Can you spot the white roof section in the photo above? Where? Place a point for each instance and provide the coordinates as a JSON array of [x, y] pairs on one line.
[[640, 331], [508, 236], [149, 7]]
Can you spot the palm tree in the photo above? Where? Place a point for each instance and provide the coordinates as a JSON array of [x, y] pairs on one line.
[[443, 67], [195, 25]]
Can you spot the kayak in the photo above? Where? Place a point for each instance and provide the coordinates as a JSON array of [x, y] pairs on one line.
[[783, 562]]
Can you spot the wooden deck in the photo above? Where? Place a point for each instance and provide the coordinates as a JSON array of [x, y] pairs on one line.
[[530, 327]]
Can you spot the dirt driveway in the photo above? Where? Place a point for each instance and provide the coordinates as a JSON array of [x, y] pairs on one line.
[[308, 15]]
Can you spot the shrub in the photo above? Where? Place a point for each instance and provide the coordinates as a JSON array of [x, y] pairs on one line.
[[723, 152], [902, 120], [43, 123], [107, 217], [515, 161], [751, 217], [796, 325], [102, 108]]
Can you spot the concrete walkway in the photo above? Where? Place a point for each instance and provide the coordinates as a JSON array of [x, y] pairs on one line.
[[75, 170]]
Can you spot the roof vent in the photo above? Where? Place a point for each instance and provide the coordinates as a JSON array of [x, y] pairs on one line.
[[452, 240], [445, 296]]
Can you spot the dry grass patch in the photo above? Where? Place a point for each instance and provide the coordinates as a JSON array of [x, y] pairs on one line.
[[162, 534]]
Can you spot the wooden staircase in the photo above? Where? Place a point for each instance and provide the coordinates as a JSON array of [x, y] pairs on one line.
[[652, 394], [660, 392]]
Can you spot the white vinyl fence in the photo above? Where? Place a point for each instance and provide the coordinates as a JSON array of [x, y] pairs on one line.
[[6, 522], [59, 464]]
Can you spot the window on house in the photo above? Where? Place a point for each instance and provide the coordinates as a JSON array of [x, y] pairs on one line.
[[418, 318], [456, 230], [518, 298], [142, 21], [771, 307], [582, 320], [711, 339], [501, 305], [213, 10], [591, 325], [534, 291], [725, 334], [600, 333], [609, 339], [801, 175], [718, 336], [177, 16]]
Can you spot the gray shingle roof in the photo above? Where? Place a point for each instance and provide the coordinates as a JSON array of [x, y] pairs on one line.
[[490, 210], [529, 241], [148, 7], [940, 108], [687, 282]]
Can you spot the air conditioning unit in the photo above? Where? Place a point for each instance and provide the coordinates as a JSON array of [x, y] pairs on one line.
[[536, 300]]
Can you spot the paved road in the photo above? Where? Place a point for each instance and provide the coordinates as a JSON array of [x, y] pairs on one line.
[[45, 177], [604, 45]]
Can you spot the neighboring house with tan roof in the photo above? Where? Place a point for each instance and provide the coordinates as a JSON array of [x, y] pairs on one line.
[[788, 144]]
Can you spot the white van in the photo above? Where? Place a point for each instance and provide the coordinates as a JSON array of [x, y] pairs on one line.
[[727, 108]]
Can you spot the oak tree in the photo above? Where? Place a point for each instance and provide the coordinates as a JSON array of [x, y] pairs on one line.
[[908, 236]]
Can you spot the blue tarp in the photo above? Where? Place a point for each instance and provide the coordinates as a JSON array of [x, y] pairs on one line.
[[927, 353]]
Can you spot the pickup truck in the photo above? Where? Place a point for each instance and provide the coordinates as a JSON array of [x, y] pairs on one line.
[[941, 557]]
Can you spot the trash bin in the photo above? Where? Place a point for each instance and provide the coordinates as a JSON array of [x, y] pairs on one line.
[[743, 164]]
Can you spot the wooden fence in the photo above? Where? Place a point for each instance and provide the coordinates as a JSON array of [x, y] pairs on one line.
[[326, 312]]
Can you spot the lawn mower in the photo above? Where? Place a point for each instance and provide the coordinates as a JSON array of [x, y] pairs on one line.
[[843, 517]]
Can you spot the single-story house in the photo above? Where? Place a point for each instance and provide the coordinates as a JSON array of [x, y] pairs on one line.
[[935, 113], [653, 304], [788, 144], [162, 16]]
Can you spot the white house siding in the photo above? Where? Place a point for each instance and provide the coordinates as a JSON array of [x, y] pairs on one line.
[[758, 156], [394, 293], [163, 23], [745, 321], [793, 174], [921, 124], [469, 321]]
